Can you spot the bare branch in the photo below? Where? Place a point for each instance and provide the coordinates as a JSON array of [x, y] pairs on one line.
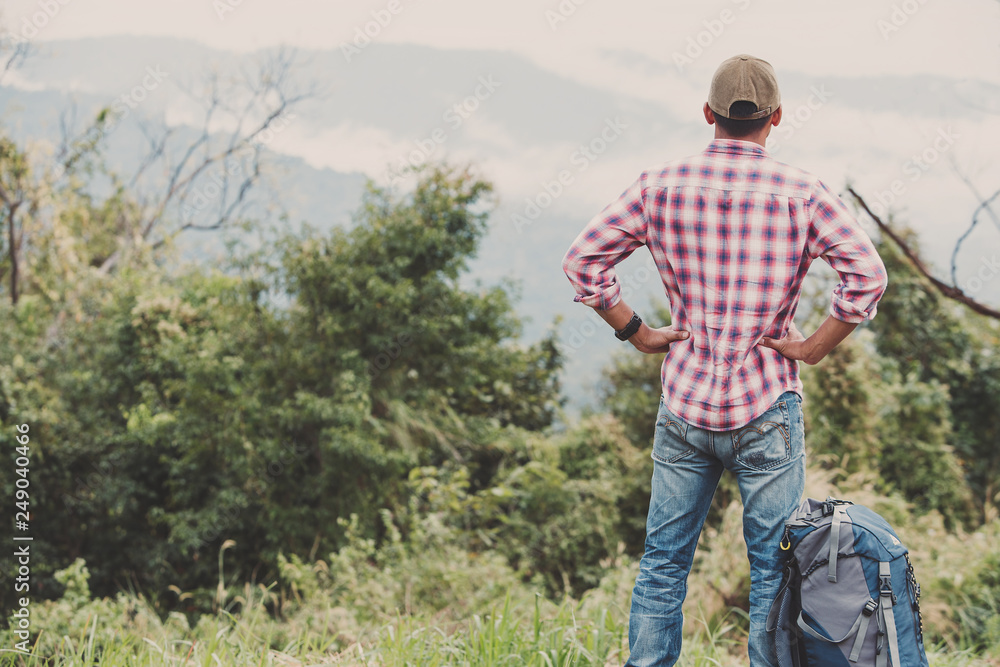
[[983, 205], [13, 59], [945, 289], [67, 121], [223, 159], [73, 150], [157, 149], [227, 212], [975, 192], [266, 89]]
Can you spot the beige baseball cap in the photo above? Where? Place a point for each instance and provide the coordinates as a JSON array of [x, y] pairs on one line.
[[744, 78]]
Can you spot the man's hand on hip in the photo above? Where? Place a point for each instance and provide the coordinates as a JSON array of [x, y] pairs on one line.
[[811, 350], [792, 346], [646, 339], [656, 341]]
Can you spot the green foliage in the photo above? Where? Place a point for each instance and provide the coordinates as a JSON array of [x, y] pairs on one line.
[[77, 625], [561, 516], [841, 407], [916, 459], [960, 590], [632, 394], [975, 408], [558, 509], [861, 415], [472, 611], [174, 411], [931, 340], [388, 289], [979, 615], [76, 590]]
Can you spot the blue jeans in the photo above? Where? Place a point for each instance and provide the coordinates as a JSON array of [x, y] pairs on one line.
[[768, 458]]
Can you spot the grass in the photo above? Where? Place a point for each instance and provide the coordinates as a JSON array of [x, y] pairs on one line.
[[543, 635], [571, 634], [475, 612], [500, 637]]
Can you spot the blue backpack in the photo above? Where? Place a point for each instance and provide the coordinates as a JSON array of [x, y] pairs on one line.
[[849, 597]]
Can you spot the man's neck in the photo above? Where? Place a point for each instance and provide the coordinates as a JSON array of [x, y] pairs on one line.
[[758, 138]]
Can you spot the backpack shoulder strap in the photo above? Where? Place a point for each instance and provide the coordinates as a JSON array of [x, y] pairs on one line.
[[887, 600], [834, 548]]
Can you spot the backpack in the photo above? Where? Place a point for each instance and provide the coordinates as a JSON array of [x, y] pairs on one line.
[[849, 597]]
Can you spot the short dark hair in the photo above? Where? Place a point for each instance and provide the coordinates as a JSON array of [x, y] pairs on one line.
[[742, 128]]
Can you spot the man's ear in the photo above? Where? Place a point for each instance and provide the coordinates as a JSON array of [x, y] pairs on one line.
[[776, 116], [710, 115]]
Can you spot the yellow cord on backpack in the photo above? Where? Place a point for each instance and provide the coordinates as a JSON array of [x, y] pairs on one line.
[[786, 540]]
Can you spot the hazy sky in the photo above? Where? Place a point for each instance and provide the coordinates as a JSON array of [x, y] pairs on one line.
[[958, 38], [660, 51]]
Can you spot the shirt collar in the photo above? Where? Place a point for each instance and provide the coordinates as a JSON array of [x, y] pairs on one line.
[[736, 147]]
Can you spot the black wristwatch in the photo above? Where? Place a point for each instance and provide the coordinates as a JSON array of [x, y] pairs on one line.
[[630, 328]]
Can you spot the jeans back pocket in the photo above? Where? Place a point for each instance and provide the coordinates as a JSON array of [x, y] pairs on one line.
[[669, 438], [765, 442]]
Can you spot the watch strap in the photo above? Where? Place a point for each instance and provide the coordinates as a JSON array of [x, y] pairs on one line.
[[630, 328]]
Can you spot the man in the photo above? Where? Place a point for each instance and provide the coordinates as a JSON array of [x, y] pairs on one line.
[[733, 233]]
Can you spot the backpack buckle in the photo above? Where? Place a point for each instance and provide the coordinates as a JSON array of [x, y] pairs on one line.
[[870, 607], [885, 587], [830, 505]]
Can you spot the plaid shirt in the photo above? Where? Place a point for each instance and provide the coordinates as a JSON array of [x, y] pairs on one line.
[[732, 232]]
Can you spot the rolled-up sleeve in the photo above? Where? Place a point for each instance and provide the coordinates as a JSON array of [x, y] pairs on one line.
[[837, 237], [608, 238]]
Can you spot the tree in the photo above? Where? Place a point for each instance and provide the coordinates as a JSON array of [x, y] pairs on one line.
[[19, 203], [180, 411], [179, 185]]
